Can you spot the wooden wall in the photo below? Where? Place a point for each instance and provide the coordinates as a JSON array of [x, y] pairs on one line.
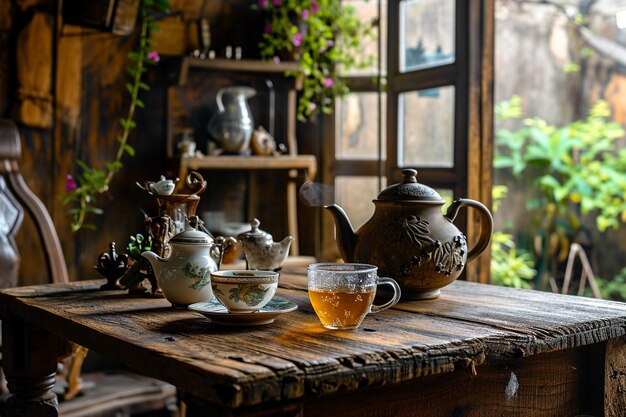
[[87, 73]]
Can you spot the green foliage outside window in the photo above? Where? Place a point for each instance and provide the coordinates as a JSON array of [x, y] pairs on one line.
[[574, 172], [510, 266]]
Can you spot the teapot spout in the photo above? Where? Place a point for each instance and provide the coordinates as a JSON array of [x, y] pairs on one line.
[[285, 243], [155, 260], [345, 235]]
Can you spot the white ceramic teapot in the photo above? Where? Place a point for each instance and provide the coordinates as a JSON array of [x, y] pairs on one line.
[[185, 277]]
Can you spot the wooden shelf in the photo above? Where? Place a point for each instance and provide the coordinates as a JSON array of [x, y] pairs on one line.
[[287, 162], [180, 71], [291, 163], [241, 65]]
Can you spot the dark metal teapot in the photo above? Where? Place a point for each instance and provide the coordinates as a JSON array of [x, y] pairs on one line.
[[409, 238]]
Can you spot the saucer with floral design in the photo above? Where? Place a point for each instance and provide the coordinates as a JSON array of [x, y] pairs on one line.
[[218, 314]]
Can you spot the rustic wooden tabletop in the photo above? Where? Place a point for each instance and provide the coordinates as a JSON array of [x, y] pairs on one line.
[[471, 330]]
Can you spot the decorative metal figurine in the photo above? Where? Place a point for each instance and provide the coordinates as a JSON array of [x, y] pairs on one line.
[[112, 266]]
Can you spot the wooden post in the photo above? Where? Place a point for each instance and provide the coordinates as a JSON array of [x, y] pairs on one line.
[[615, 379]]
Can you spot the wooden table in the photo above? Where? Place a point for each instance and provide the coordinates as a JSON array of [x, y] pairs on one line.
[[478, 350]]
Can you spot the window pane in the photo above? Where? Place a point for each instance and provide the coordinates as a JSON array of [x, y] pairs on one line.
[[357, 126], [447, 195], [426, 128], [426, 33], [366, 12], [355, 194]]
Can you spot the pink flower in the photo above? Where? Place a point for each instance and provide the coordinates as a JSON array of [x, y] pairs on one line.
[[276, 3], [328, 82], [154, 55], [276, 59], [314, 6], [312, 107], [268, 28], [262, 4], [297, 39], [70, 184], [305, 14]]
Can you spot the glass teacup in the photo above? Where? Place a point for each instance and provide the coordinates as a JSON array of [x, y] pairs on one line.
[[342, 294]]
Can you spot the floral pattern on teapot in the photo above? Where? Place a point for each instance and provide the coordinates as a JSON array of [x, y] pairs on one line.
[[201, 275], [448, 257]]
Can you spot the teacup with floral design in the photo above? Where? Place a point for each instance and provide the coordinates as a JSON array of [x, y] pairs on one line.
[[244, 291]]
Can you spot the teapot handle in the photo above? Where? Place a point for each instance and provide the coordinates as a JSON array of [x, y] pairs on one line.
[[220, 103], [149, 185], [486, 224], [219, 245]]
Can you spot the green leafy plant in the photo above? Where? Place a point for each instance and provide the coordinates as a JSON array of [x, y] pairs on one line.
[[615, 289], [324, 36], [83, 189], [572, 171], [510, 266], [138, 244]]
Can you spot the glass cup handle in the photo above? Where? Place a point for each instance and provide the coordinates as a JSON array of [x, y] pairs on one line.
[[396, 295]]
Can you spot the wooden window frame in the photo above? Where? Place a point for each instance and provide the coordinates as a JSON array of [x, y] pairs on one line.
[[471, 74]]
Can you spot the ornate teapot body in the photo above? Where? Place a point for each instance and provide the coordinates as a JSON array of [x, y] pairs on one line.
[[185, 276], [410, 239], [233, 124], [261, 251]]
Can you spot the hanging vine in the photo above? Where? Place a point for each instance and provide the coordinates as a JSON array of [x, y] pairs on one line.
[[83, 189]]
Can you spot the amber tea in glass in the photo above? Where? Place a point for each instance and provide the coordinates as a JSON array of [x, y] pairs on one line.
[[342, 294]]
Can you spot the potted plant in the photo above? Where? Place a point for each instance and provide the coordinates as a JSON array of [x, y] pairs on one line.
[[324, 36]]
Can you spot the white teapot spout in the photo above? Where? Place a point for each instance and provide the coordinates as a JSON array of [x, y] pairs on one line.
[[155, 260]]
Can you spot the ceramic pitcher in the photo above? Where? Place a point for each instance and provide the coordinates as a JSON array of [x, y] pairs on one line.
[[233, 124]]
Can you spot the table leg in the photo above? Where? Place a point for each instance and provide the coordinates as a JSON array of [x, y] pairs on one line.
[[29, 359]]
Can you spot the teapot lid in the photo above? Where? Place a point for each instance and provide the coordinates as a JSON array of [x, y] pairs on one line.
[[191, 236], [255, 233], [410, 190]]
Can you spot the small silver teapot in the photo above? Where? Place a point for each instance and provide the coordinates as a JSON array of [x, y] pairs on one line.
[[260, 250]]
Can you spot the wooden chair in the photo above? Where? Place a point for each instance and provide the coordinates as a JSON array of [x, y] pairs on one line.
[[112, 392]]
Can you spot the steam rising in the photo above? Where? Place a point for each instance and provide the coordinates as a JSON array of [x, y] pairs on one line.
[[314, 194]]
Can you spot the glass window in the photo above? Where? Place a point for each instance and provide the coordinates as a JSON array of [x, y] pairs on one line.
[[355, 194], [357, 125], [367, 12], [447, 195], [426, 128], [426, 33]]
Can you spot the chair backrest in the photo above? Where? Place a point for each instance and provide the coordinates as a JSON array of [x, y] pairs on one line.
[[15, 198]]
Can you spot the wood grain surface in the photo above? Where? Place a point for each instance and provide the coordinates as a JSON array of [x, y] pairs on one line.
[[473, 329]]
